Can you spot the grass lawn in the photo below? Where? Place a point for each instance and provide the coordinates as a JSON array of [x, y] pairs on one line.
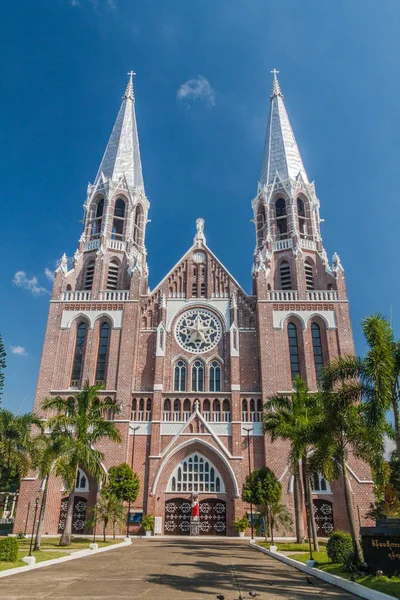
[[380, 584], [40, 556], [50, 543], [291, 546]]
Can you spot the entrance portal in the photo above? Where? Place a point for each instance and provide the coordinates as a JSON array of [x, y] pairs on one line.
[[323, 514], [78, 516], [212, 515]]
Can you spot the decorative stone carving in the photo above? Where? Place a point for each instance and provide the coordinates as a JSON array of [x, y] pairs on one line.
[[336, 263], [198, 330]]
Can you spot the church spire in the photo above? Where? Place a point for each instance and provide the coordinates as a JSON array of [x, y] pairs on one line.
[[122, 155], [281, 153]]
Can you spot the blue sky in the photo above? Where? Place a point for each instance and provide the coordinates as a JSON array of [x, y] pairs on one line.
[[62, 77]]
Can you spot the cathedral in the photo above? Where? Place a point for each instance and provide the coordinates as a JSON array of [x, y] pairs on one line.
[[192, 361]]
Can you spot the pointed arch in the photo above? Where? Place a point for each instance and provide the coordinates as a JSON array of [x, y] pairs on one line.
[[261, 224], [180, 376], [98, 211], [138, 225], [102, 352], [210, 448], [198, 376], [214, 376], [118, 226], [281, 219], [80, 346]]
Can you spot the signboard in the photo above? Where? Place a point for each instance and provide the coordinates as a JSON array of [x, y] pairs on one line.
[[158, 525], [381, 551]]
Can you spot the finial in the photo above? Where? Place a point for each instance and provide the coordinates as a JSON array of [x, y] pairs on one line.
[[199, 238], [129, 88], [336, 263], [63, 264], [276, 90]]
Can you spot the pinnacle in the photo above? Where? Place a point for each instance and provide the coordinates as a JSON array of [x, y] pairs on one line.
[[129, 93], [276, 89]]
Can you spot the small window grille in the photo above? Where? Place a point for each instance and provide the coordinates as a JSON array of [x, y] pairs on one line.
[[309, 276], [89, 274], [112, 276], [286, 279], [180, 376]]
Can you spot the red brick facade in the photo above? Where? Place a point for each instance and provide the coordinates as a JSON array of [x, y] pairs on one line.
[[251, 349]]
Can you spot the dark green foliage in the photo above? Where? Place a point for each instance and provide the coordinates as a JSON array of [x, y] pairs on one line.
[[123, 482], [241, 524], [350, 564], [20, 535], [2, 365], [338, 546], [394, 477], [148, 522], [8, 549], [262, 488]]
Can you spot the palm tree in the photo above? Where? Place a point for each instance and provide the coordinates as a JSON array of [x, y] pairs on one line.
[[349, 424], [17, 445], [110, 508], [279, 518], [294, 419], [80, 423]]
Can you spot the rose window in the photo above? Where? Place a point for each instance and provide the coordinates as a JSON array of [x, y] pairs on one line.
[[198, 330]]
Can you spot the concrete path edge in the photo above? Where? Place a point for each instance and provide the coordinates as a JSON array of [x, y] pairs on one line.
[[345, 584], [56, 561]]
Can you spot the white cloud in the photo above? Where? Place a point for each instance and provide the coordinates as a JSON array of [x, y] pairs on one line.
[[31, 284], [49, 274], [198, 88], [19, 350]]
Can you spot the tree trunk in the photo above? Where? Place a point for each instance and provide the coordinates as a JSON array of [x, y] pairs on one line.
[[104, 531], [41, 514], [350, 514], [66, 534], [309, 505], [396, 413], [113, 530], [298, 508]]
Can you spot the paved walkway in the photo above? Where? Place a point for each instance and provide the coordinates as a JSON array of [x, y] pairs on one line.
[[166, 570]]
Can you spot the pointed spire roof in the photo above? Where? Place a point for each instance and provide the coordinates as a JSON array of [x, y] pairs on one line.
[[122, 155], [281, 153]]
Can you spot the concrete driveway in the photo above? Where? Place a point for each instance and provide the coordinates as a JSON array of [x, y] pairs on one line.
[[167, 569]]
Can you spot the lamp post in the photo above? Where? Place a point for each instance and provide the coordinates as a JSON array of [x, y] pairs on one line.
[[134, 429], [27, 517], [248, 429], [33, 526], [95, 523]]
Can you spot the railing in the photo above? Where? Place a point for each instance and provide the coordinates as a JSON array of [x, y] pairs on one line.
[[226, 416], [322, 295], [177, 295], [283, 244], [92, 245], [176, 416], [308, 244], [167, 415], [76, 296], [109, 295], [220, 295], [207, 415], [283, 295], [186, 415], [116, 245]]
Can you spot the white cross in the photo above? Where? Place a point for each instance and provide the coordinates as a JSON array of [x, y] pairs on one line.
[[275, 72]]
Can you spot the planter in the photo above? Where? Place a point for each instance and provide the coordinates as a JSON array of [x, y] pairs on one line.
[[273, 548], [29, 560], [148, 533], [94, 546], [241, 534]]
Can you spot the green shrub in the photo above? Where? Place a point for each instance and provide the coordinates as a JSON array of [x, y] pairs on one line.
[[20, 535], [148, 522], [8, 549], [241, 524], [338, 546]]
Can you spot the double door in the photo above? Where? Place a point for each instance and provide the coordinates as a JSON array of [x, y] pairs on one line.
[[212, 516]]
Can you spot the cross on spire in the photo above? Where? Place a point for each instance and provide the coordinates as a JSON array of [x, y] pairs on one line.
[[276, 90], [129, 88]]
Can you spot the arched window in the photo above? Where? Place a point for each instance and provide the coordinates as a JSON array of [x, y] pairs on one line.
[[252, 410], [148, 409], [102, 353], [226, 411], [167, 410], [177, 410], [217, 411], [259, 409], [180, 376], [78, 356], [293, 350], [319, 484], [186, 409], [82, 482], [98, 219], [197, 377], [301, 213], [89, 274], [309, 275], [138, 226], [140, 414], [317, 348], [215, 376], [261, 221], [286, 278], [281, 219], [134, 408], [196, 473], [119, 220], [112, 275], [207, 410], [244, 411]]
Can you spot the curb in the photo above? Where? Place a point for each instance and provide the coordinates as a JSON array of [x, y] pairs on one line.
[[345, 584], [56, 561]]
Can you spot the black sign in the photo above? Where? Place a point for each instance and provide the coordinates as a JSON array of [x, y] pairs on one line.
[[381, 550]]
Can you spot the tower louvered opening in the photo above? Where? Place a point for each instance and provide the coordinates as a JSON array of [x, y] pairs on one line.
[[112, 276], [309, 276], [286, 278]]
